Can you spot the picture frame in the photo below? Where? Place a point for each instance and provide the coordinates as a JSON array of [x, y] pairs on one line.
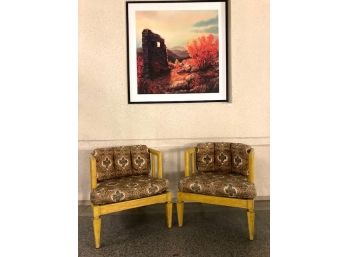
[[177, 51]]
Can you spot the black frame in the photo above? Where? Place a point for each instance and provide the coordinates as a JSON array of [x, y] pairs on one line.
[[227, 52]]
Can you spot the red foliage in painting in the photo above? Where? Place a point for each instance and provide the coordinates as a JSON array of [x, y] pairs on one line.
[[140, 65], [204, 51]]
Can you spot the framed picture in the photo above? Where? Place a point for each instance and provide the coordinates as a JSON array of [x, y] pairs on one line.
[[177, 51]]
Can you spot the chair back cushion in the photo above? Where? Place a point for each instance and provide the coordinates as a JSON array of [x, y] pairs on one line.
[[223, 157], [205, 157], [122, 161], [140, 159], [105, 163], [240, 158]]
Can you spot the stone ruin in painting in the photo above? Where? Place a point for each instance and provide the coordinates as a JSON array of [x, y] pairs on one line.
[[154, 55]]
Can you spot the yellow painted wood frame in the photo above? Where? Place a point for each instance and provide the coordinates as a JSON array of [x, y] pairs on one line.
[[190, 168], [99, 210]]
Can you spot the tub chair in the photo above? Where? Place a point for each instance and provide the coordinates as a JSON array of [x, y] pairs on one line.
[[126, 177], [220, 174]]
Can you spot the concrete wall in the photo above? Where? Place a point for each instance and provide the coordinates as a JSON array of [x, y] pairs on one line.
[[106, 119]]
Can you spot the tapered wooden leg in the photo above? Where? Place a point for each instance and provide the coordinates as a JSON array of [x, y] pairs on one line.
[[180, 211], [251, 219], [169, 214], [97, 227]]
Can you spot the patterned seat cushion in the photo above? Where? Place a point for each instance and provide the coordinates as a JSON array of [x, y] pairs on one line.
[[218, 184], [127, 188]]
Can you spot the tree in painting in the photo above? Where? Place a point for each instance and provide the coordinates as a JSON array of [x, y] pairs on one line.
[[204, 52]]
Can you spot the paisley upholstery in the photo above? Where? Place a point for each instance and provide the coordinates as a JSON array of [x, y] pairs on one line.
[[140, 159], [122, 161], [205, 157], [127, 188], [240, 158], [223, 157], [218, 184], [105, 163]]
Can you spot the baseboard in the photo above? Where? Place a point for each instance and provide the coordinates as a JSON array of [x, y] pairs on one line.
[[84, 202], [262, 198], [258, 198]]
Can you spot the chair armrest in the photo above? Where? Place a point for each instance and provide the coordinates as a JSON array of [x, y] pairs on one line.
[[251, 174], [190, 161], [93, 169], [158, 155]]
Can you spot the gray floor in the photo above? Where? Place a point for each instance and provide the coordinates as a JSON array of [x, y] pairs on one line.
[[208, 231]]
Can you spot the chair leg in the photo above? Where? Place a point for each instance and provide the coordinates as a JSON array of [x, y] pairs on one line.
[[169, 214], [97, 228], [180, 211], [251, 221]]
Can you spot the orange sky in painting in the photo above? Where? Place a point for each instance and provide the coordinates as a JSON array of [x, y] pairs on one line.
[[176, 27]]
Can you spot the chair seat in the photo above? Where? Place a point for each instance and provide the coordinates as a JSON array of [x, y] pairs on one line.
[[127, 188], [226, 185]]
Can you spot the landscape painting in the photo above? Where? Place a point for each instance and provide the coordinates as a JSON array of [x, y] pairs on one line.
[[177, 51]]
